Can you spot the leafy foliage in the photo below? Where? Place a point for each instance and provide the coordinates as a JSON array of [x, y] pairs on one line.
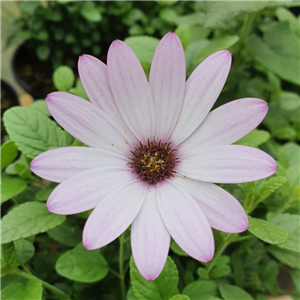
[[41, 253]]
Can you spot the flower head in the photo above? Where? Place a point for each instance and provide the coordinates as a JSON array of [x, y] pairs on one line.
[[155, 152]]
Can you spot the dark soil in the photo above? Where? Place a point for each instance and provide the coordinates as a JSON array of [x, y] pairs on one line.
[[33, 75]]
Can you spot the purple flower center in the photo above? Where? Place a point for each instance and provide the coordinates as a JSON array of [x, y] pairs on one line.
[[154, 161]]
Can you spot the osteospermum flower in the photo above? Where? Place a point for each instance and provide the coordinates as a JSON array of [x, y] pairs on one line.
[[155, 152]]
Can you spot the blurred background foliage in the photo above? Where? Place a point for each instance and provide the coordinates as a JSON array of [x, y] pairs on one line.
[[263, 38]]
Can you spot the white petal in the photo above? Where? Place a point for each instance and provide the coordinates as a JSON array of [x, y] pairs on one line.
[[131, 90], [59, 164], [94, 77], [114, 214], [85, 190], [150, 239], [167, 84], [227, 164], [185, 221], [202, 90], [87, 123], [226, 124], [221, 209]]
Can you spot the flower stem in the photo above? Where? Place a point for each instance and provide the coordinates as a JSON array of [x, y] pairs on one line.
[[121, 267], [60, 294], [219, 252]]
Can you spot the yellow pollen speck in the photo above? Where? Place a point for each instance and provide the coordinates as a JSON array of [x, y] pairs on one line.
[[126, 143], [184, 177], [149, 191], [112, 145]]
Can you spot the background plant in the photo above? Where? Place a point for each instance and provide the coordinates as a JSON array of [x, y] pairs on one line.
[[63, 30], [42, 256]]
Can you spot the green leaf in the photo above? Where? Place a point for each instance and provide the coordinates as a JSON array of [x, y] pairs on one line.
[[216, 45], [279, 54], [289, 101], [29, 6], [255, 138], [285, 15], [180, 297], [82, 265], [291, 224], [41, 106], [66, 234], [89, 12], [266, 231], [287, 257], [269, 187], [222, 268], [33, 132], [43, 194], [218, 14], [28, 219], [43, 52], [176, 249], [32, 290], [16, 253], [184, 33], [162, 288], [200, 290], [63, 78], [11, 188], [9, 153], [289, 154], [231, 292], [79, 90], [143, 47]]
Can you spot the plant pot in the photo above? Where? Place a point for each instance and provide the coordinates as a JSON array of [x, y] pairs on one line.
[[9, 98], [33, 75]]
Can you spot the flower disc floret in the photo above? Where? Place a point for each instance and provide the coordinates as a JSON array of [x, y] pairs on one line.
[[154, 161]]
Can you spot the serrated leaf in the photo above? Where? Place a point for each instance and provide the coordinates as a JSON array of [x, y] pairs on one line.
[[255, 138], [82, 265], [291, 224], [287, 257], [32, 290], [162, 288], [200, 290], [11, 188], [28, 219], [221, 267], [269, 187], [266, 231], [33, 132], [41, 106], [231, 292], [9, 153]]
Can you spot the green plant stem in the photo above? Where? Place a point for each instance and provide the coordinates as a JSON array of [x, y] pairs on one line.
[[219, 252], [60, 294], [121, 267]]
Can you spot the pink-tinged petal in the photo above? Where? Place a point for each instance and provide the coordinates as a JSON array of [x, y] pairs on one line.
[[94, 77], [59, 164], [226, 124], [227, 164], [85, 190], [114, 214], [167, 84], [150, 239], [131, 90], [87, 123], [201, 92], [185, 221], [221, 209]]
